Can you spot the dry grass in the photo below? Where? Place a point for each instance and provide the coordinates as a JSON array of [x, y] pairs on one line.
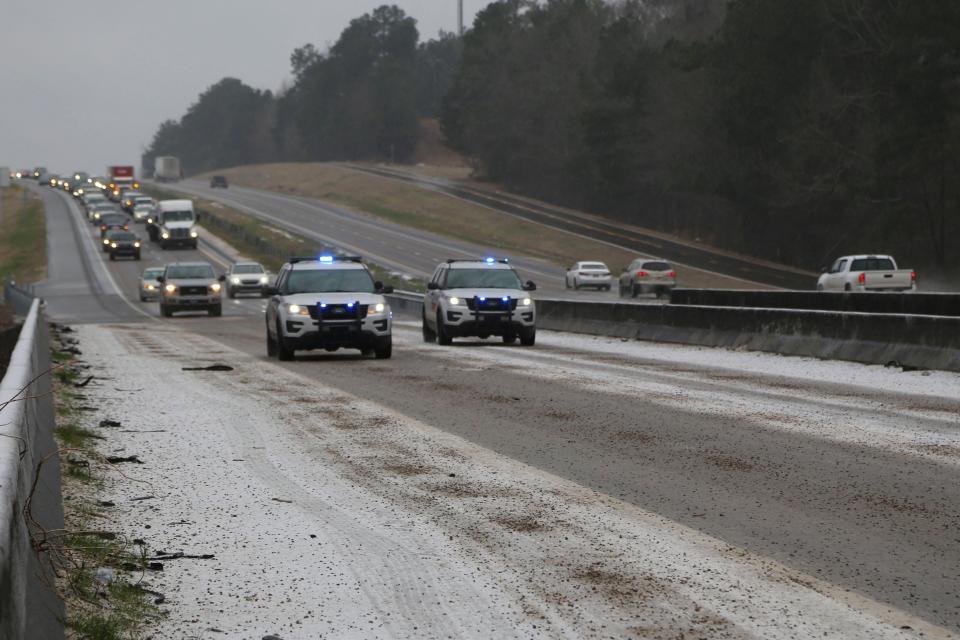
[[427, 210], [23, 244]]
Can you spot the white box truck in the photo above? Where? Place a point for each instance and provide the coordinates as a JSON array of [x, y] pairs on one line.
[[166, 169]]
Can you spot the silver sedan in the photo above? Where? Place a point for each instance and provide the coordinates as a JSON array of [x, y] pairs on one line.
[[149, 286]]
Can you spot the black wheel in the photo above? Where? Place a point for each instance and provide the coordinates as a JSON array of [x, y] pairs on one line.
[[847, 287], [606, 287], [442, 337], [429, 335], [634, 291], [384, 348], [576, 285], [284, 352], [620, 289], [216, 311], [136, 256], [509, 338], [528, 336], [566, 282], [271, 346], [820, 288], [231, 293]]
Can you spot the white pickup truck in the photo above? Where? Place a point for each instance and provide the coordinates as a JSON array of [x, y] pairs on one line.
[[867, 273]]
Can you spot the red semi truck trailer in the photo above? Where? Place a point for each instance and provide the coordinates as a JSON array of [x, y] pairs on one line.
[[121, 177]]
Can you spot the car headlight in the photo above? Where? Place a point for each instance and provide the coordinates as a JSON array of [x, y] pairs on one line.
[[149, 220], [215, 287], [264, 279], [194, 234], [456, 302], [526, 302], [136, 245], [105, 241], [170, 288], [376, 309], [235, 280], [165, 235], [149, 287], [297, 310], [113, 245]]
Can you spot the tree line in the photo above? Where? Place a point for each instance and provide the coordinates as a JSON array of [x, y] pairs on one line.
[[787, 130]]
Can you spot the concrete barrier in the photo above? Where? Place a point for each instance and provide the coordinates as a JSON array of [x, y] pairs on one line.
[[17, 296], [923, 341], [28, 607], [927, 304]]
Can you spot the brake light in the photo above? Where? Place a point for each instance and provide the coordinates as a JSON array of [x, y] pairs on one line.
[[642, 274], [862, 278], [913, 276], [672, 274]]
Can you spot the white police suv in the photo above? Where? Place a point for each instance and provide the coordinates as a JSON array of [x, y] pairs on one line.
[[329, 302], [479, 298]]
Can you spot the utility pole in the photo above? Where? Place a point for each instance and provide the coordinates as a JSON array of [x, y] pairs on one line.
[[460, 17]]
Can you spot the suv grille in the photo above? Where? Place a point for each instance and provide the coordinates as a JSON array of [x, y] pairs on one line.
[[491, 304], [336, 312], [193, 291], [179, 233]]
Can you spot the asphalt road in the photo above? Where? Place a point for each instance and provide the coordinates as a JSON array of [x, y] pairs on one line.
[[410, 251], [796, 461]]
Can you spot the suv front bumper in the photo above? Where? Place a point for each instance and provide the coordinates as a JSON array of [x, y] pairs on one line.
[[304, 332]]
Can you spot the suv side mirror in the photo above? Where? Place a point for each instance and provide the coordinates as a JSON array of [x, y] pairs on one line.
[[222, 278], [378, 286], [433, 286], [530, 286]]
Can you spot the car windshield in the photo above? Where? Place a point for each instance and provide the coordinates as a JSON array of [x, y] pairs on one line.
[[122, 235], [594, 265], [483, 278], [152, 274], [177, 216], [656, 266], [190, 272], [329, 281], [143, 207], [872, 264], [247, 268]]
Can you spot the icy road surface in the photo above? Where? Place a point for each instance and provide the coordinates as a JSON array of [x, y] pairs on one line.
[[330, 515]]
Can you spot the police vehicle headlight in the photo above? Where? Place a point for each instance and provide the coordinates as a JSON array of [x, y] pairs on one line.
[[165, 235], [526, 302], [456, 302], [170, 288], [215, 287], [376, 309], [235, 280], [194, 234], [297, 310]]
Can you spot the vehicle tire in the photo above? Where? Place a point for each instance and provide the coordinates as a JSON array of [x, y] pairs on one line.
[[142, 298], [136, 256], [634, 291], [216, 311], [112, 257], [576, 285], [165, 311], [231, 293], [194, 245], [271, 346], [528, 336], [429, 335], [509, 338], [163, 246], [384, 348], [284, 352], [566, 282], [442, 337]]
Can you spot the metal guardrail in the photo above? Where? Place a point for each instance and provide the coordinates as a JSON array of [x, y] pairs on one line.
[[29, 475]]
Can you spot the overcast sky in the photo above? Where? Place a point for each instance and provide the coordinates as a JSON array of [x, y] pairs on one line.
[[85, 84]]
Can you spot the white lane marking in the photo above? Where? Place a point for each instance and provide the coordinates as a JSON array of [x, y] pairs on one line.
[[97, 258]]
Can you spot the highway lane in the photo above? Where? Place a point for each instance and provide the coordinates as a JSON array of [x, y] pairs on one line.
[[849, 474], [406, 250]]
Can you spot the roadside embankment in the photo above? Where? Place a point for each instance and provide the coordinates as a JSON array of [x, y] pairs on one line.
[[928, 304], [23, 243], [30, 503]]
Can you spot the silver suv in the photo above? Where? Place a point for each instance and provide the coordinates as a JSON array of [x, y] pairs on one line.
[[190, 286], [479, 298], [328, 303]]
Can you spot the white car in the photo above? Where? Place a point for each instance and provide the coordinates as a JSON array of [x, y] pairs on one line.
[[867, 273], [480, 298], [247, 277], [328, 303], [588, 274]]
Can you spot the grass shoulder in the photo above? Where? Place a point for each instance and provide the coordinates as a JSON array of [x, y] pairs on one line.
[[23, 245]]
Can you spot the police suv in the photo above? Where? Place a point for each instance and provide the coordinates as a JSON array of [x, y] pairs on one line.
[[330, 302], [479, 298]]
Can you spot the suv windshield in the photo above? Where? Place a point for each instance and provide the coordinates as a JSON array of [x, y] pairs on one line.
[[872, 264], [247, 268], [122, 235], [190, 272], [177, 216], [329, 281], [483, 278], [656, 266]]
